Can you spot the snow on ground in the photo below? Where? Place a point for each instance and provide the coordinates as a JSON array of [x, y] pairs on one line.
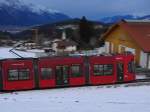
[[79, 99], [5, 53], [141, 76]]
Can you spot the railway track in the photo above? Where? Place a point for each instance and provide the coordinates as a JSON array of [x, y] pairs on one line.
[[142, 80], [137, 82]]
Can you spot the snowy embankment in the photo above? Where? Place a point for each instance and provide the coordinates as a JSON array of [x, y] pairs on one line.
[[5, 53], [81, 99]]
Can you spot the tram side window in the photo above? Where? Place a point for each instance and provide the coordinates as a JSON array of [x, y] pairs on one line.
[[98, 70], [103, 70], [24, 74], [76, 71], [46, 73], [18, 74], [108, 69], [131, 67], [13, 75]]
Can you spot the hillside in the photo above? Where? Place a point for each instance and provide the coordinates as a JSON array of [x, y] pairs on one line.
[[71, 27]]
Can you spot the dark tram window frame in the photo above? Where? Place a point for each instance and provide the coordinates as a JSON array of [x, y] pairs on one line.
[[67, 67], [26, 74], [109, 70], [102, 69], [13, 75], [98, 70], [50, 75], [131, 67], [18, 74], [62, 71], [75, 75]]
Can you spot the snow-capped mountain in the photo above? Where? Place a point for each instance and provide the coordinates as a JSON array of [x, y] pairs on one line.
[[147, 17], [18, 13], [114, 19]]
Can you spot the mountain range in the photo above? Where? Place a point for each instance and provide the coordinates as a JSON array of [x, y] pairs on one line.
[[114, 19], [18, 13]]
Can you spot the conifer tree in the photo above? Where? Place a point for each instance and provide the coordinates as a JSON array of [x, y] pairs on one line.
[[85, 30]]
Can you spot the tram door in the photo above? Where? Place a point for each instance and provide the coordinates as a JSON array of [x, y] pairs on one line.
[[120, 71], [62, 75]]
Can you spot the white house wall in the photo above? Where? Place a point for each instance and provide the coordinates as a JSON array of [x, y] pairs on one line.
[[127, 49], [149, 61], [119, 48], [112, 48], [71, 48], [101, 50], [54, 46], [107, 46], [143, 59], [130, 50]]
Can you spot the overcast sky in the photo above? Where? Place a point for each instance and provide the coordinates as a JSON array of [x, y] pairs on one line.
[[95, 9]]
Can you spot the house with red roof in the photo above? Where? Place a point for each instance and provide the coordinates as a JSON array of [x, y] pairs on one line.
[[130, 36]]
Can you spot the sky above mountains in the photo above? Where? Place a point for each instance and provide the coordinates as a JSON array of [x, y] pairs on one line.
[[96, 9]]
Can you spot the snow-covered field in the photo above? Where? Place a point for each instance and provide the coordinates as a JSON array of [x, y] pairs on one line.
[[80, 99], [5, 53]]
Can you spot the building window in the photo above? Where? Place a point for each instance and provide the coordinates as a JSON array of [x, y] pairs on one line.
[[76, 71], [46, 73], [18, 74], [103, 70], [131, 67]]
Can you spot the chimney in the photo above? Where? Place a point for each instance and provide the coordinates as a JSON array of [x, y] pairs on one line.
[[35, 36]]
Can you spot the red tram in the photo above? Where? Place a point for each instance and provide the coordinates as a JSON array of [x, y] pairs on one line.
[[22, 74]]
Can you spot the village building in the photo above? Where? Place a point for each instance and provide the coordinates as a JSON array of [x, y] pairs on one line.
[[130, 36], [64, 44]]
